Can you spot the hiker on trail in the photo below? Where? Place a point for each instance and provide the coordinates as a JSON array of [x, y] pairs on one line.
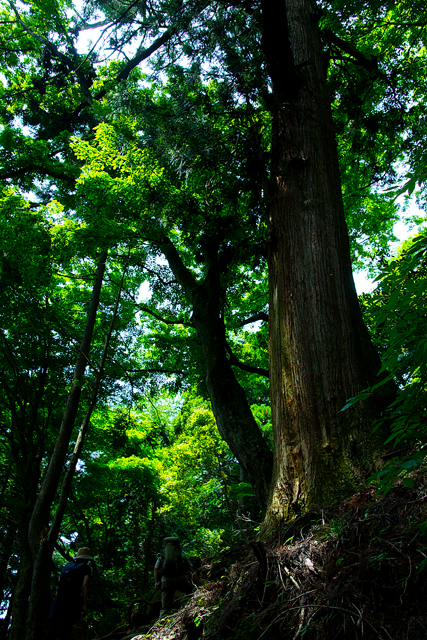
[[173, 571], [70, 602]]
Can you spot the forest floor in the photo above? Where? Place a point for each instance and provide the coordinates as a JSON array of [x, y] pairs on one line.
[[351, 571]]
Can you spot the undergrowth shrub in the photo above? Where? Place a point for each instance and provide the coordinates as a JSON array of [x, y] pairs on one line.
[[396, 313]]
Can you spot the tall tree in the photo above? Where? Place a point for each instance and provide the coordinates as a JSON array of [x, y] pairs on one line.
[[274, 58], [320, 349], [38, 541], [42, 313], [199, 283]]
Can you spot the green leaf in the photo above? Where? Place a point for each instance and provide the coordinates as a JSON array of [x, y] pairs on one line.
[[422, 565], [361, 396], [408, 482]]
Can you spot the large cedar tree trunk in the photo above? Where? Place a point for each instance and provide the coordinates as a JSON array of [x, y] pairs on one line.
[[320, 350]]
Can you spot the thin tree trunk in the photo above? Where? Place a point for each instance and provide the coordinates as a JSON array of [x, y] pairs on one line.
[[320, 350], [39, 522], [233, 416], [81, 514], [21, 592], [43, 559], [45, 551], [44, 556], [148, 545], [7, 545], [9, 531], [78, 447]]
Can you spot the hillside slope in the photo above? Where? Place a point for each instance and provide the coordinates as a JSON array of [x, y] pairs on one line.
[[354, 570]]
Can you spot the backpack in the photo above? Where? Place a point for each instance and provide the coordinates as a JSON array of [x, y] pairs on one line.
[[171, 558], [71, 578]]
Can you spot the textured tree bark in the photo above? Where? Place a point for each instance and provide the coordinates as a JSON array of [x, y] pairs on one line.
[[320, 350], [9, 531], [21, 592], [233, 416]]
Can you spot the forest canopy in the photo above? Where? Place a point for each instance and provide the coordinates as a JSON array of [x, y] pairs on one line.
[[185, 189]]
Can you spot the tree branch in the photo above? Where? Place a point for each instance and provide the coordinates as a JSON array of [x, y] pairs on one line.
[[165, 283], [36, 168], [140, 56], [163, 433], [64, 553], [159, 317], [370, 64], [155, 315], [258, 316], [181, 272], [72, 64], [42, 39], [245, 367], [134, 62], [146, 53], [155, 370]]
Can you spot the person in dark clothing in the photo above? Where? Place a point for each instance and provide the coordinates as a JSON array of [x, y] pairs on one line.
[[70, 601], [173, 571]]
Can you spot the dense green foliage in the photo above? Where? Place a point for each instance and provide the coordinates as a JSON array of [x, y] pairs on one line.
[[99, 155], [396, 313]]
